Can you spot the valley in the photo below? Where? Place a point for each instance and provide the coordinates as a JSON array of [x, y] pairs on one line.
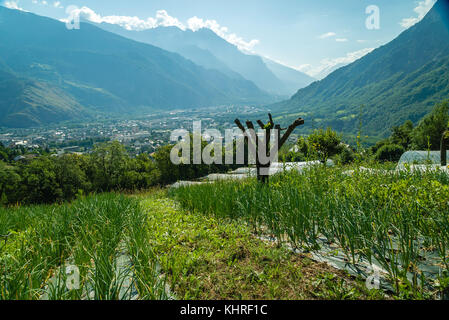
[[108, 192], [141, 134]]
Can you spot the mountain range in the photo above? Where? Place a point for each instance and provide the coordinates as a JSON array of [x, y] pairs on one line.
[[207, 49], [49, 73], [399, 81]]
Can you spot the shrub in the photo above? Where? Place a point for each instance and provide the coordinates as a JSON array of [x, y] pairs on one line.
[[390, 152], [346, 156]]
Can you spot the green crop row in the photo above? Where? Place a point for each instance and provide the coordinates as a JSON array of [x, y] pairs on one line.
[[392, 218], [90, 234]]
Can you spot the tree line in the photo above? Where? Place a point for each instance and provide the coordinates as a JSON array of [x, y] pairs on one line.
[[109, 167]]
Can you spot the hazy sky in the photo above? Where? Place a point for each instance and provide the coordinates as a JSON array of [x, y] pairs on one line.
[[308, 35]]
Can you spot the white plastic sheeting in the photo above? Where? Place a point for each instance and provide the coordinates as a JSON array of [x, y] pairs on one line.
[[421, 157]]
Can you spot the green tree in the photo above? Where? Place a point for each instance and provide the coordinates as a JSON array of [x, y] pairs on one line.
[[108, 163], [402, 135], [301, 151], [9, 184], [168, 171], [70, 176], [40, 182], [142, 174], [3, 153], [325, 143], [430, 130]]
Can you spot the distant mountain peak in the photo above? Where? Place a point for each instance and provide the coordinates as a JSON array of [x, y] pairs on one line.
[[398, 81]]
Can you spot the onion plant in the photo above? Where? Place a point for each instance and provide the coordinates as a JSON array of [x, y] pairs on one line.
[[389, 217]]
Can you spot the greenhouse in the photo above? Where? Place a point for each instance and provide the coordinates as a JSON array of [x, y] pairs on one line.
[[421, 157]]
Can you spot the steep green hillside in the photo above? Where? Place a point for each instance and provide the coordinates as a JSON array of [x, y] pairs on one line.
[[399, 81], [25, 103], [60, 70]]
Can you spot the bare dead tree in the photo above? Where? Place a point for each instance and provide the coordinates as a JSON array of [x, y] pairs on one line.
[[252, 140], [444, 147]]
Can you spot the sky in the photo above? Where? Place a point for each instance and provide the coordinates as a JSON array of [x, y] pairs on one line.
[[310, 36]]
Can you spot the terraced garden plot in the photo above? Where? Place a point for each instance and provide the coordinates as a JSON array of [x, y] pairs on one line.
[[206, 257], [148, 247], [397, 222]]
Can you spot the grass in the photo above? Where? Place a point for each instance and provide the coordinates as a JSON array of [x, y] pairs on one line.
[[391, 218], [89, 234], [206, 257]]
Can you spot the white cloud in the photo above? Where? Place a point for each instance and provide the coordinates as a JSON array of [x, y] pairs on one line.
[[422, 9], [165, 20], [13, 5], [45, 3], [162, 18], [57, 4], [327, 35], [130, 23], [332, 35], [196, 23], [329, 64]]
